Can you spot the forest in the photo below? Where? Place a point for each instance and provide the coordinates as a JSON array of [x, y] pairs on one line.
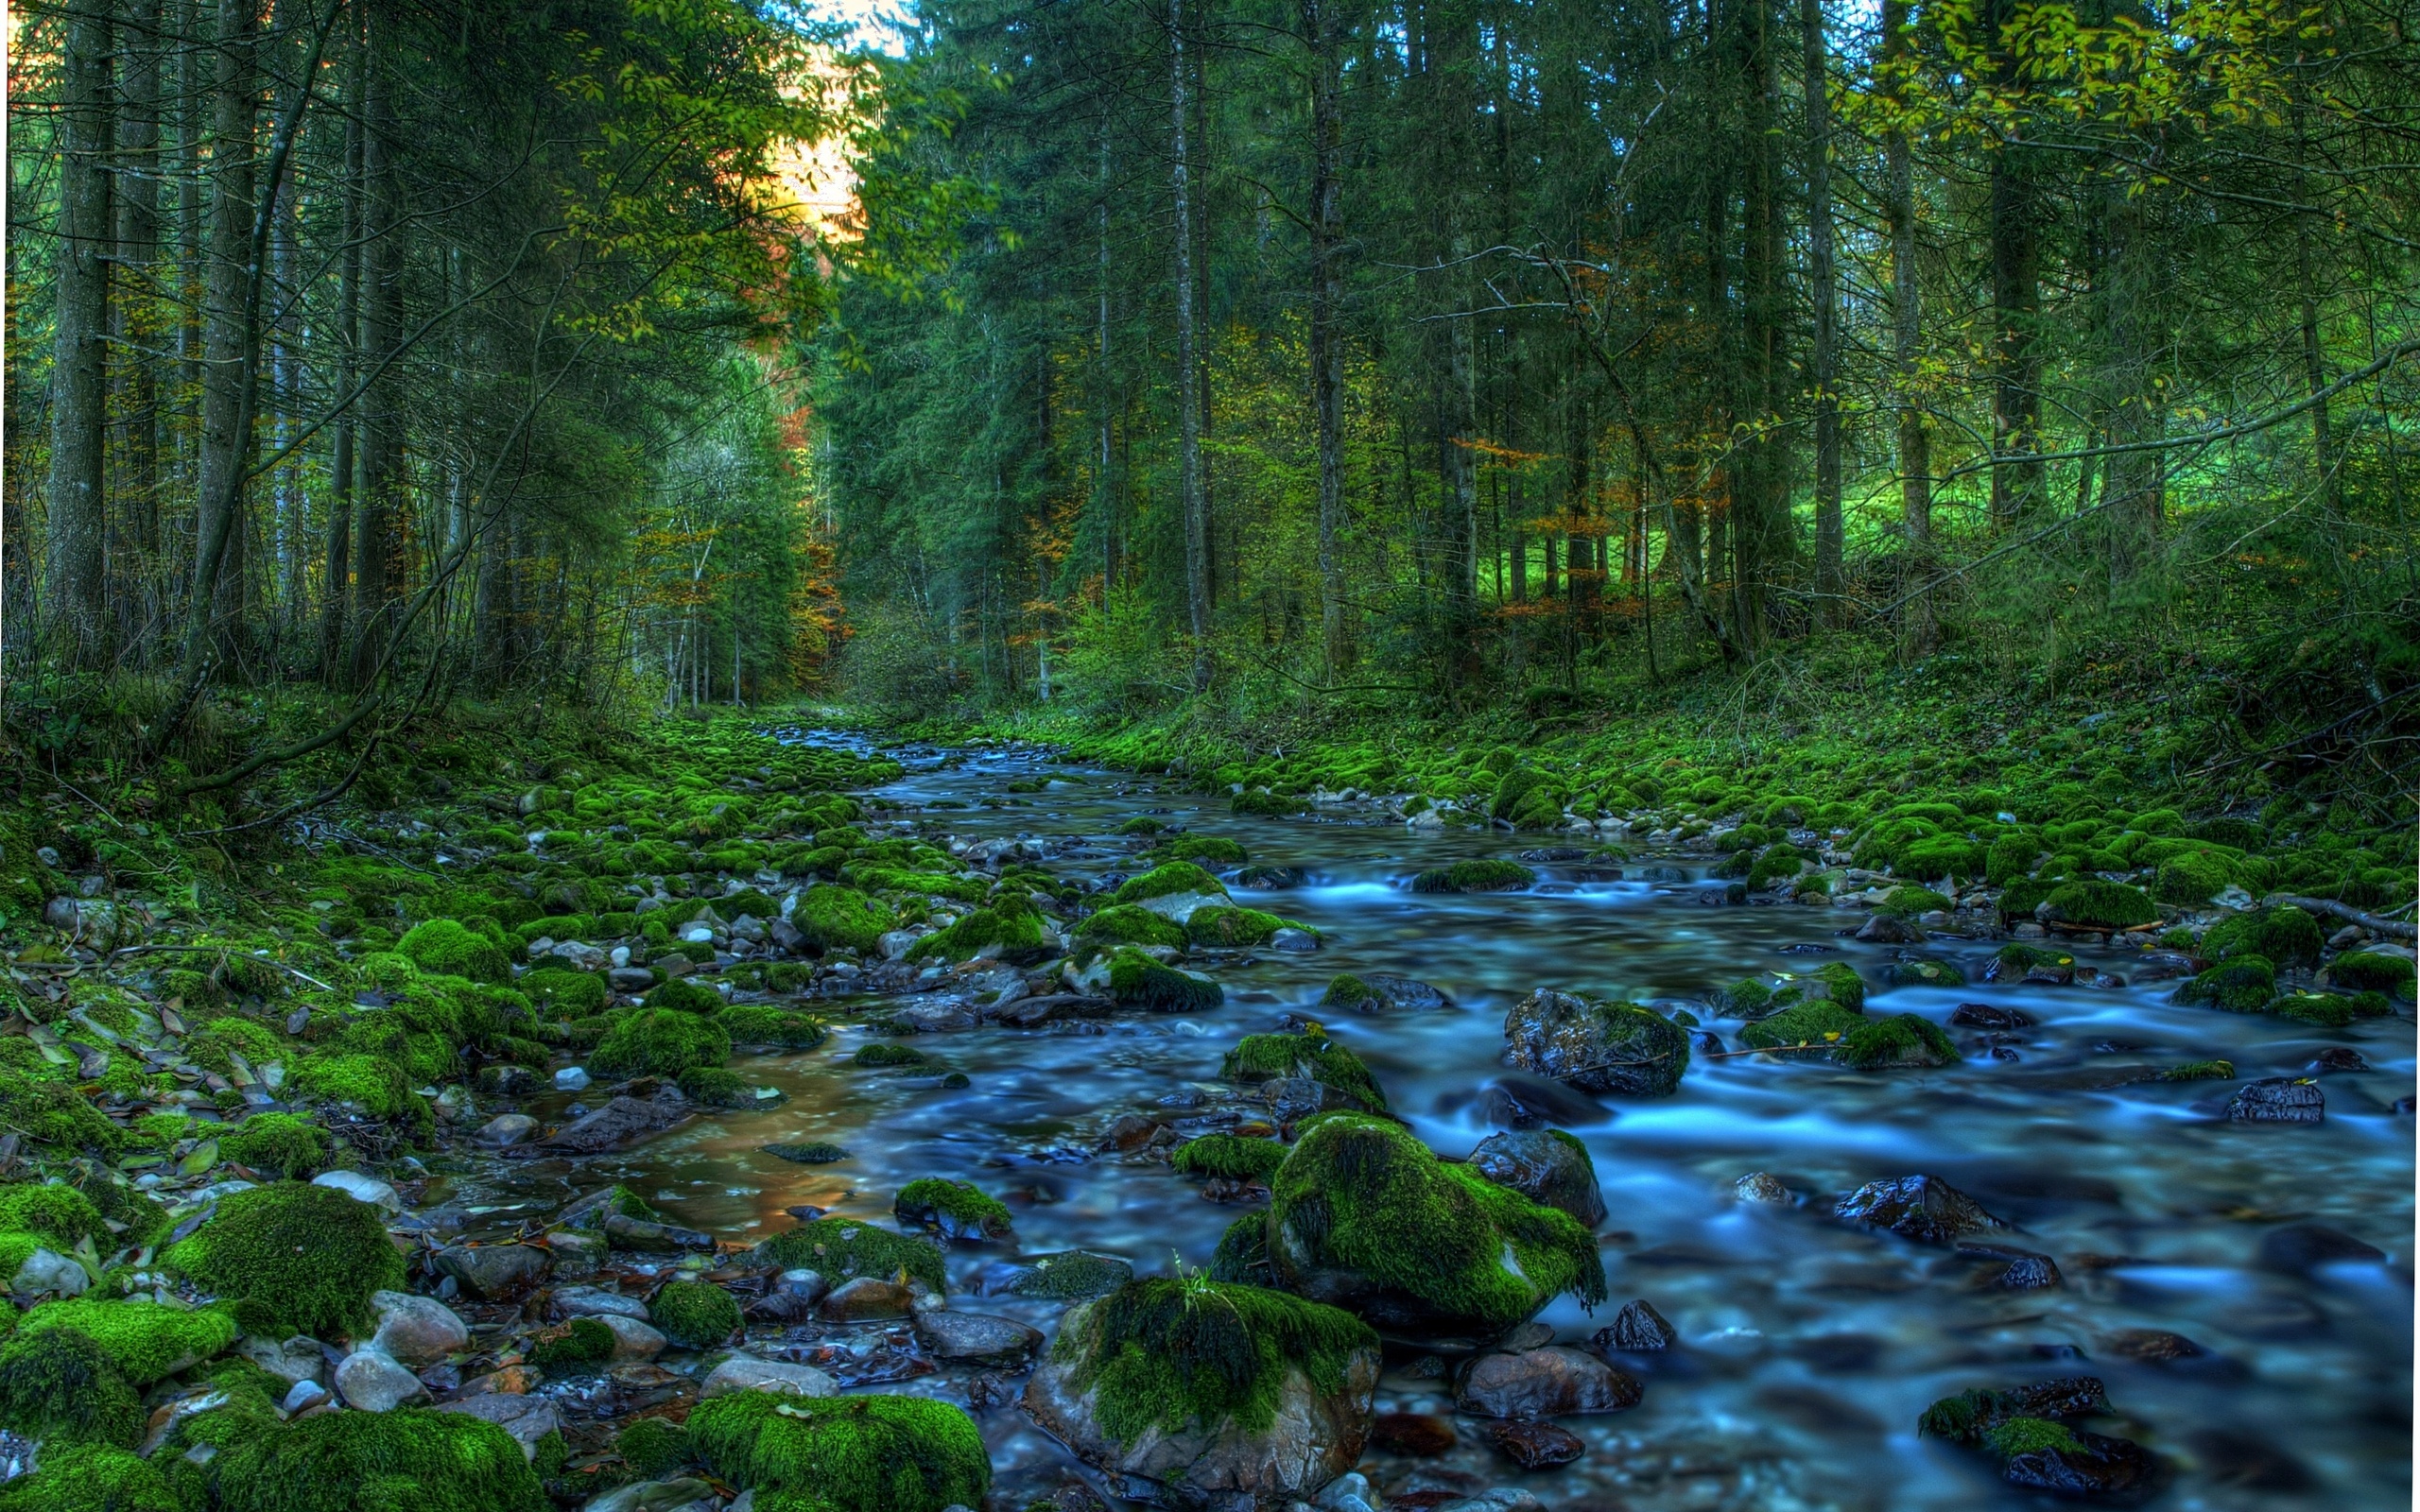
[[1231, 755]]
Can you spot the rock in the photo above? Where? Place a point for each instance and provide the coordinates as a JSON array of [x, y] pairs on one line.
[[974, 1336], [745, 1372], [1056, 1008], [1129, 1132], [658, 1495], [301, 1395], [1597, 1047], [575, 1079], [591, 1301], [1068, 1275], [527, 1418], [1758, 1186], [371, 1380], [2030, 1273], [1988, 1016], [2103, 1467], [2301, 1246], [2153, 1346], [1637, 1329], [1536, 1446], [868, 1297], [633, 1341], [1554, 1382], [360, 1188], [1889, 929], [1548, 1166], [504, 1080], [623, 1121], [632, 980], [506, 1128], [46, 1271], [577, 1256], [2277, 1100], [1419, 1434], [493, 1273], [417, 1330], [1292, 1099], [299, 1358], [1400, 994], [1294, 942], [1923, 1208], [1348, 1492], [2338, 1057], [648, 1237], [1496, 1499]]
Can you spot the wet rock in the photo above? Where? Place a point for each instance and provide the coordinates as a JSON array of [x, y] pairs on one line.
[[632, 980], [360, 1188], [1988, 1016], [591, 1301], [1546, 1166], [633, 1341], [2338, 1057], [1889, 929], [1396, 994], [1517, 1100], [577, 1256], [1070, 1276], [648, 1237], [1056, 1008], [867, 1298], [299, 1358], [1271, 879], [493, 1273], [505, 1080], [2099, 1466], [2277, 1100], [2301, 1246], [2030, 1273], [1536, 1446], [1129, 1132], [371, 1379], [1923, 1208], [507, 1129], [1637, 1329], [301, 1395], [1758, 1186], [417, 1330], [1292, 1099], [527, 1418], [1597, 1047], [1294, 941], [622, 1121], [2153, 1346], [1553, 1382], [1419, 1434], [745, 1372], [962, 1337]]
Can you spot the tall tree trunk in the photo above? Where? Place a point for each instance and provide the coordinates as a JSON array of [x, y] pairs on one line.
[[136, 526], [1760, 529], [193, 103], [1327, 361], [230, 337], [2132, 489], [75, 495], [1188, 385], [377, 537], [2015, 257], [1918, 631], [1823, 290], [335, 603]]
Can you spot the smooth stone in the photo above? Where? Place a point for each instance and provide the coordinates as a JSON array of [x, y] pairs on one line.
[[507, 1129], [301, 1395], [1923, 1208], [371, 1380], [633, 1341], [46, 1270], [622, 1121], [417, 1330], [1540, 1165], [628, 978], [646, 1236], [1536, 1446], [361, 1188], [2301, 1246], [527, 1418], [657, 1496], [492, 1272], [1889, 929], [745, 1372], [1638, 1328], [507, 1080], [594, 1301], [1758, 1186], [868, 1297], [299, 1358], [1553, 1382], [573, 1078], [948, 1336], [577, 1256]]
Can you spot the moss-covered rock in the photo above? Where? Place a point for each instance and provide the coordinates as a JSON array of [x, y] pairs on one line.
[[576, 1347], [1132, 924], [867, 1454], [1820, 1022], [2239, 984], [1925, 972], [2200, 1071], [1347, 991], [697, 1313], [1216, 851], [1136, 980], [842, 1249], [1364, 1216], [1475, 876], [377, 1462], [57, 1214], [89, 1478], [305, 1257], [835, 917], [2096, 904], [1623, 1048], [681, 995], [1011, 928], [365, 1085], [713, 1086], [1259, 1058], [1262, 804], [279, 1144], [565, 994], [953, 1209], [1230, 1156], [763, 1026], [2373, 972], [1902, 1039], [2284, 936], [50, 1112], [58, 1385], [1219, 925], [1175, 889], [147, 1340], [658, 1043], [446, 946], [882, 1056], [2329, 1010], [653, 1446], [813, 1153]]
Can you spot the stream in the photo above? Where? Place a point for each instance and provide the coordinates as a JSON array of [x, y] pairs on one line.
[[1809, 1347]]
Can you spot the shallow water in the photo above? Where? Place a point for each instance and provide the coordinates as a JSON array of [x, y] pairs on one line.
[[1809, 1347]]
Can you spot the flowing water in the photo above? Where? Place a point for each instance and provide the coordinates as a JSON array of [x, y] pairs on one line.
[[1809, 1347]]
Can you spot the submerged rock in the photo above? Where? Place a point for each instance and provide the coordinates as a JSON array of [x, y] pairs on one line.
[[623, 1121], [1923, 1208], [1536, 1446], [2278, 1100], [1599, 1047], [1552, 1381], [1545, 1165], [1637, 1329]]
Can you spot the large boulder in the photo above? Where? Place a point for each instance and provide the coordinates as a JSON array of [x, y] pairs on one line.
[[1597, 1047], [1553, 1382], [1208, 1395]]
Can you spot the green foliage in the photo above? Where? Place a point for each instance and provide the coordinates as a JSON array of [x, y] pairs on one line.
[[54, 1212], [868, 1454], [1216, 850], [762, 1024], [2239, 984], [698, 1313], [958, 1208], [280, 1144], [2030, 1435], [1231, 1156], [305, 1256], [49, 1112], [1169, 879], [713, 1086], [1902, 1039], [1261, 802], [1821, 1021], [1219, 925], [835, 917], [658, 1043], [2372, 971], [681, 995], [2107, 904], [1011, 924], [843, 1248]]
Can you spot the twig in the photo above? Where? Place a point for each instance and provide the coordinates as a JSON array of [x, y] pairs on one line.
[[71, 967], [2344, 911]]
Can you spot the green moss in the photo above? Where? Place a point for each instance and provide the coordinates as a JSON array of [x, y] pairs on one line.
[[1071, 1276], [148, 1341], [445, 945], [1168, 1353], [811, 1154], [1475, 876], [61, 1386], [1840, 981], [1129, 925], [2104, 904], [2193, 879], [2200, 1071], [658, 1043], [2030, 1435], [1363, 1195], [2239, 984], [89, 1478], [2013, 959], [1216, 850], [1910, 901], [55, 1213], [1345, 990], [1264, 803], [377, 1462], [1011, 924], [713, 1086], [307, 1256], [211, 1045], [1219, 925], [653, 1447], [2287, 936], [2373, 972], [572, 1349], [843, 1248], [698, 1313], [1142, 824], [279, 1143], [882, 1056], [48, 1112], [1262, 1057], [1924, 973], [1748, 998], [681, 995], [958, 1209], [1231, 1156], [762, 1024], [871, 1453], [1138, 981], [1173, 878], [1902, 1039], [835, 917], [2329, 1010], [1821, 1021], [565, 994]]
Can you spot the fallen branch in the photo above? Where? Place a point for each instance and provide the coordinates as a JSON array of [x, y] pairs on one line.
[[2344, 911]]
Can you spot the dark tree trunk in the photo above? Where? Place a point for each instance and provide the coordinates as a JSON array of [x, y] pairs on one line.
[[1824, 291], [1197, 541], [77, 499], [230, 337], [1918, 632]]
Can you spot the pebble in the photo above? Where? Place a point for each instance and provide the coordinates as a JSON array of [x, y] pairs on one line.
[[958, 1336], [299, 1358], [633, 1342], [868, 1297], [301, 1395], [1638, 1328]]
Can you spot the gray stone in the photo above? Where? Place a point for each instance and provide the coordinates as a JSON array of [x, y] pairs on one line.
[[493, 1273], [361, 1188], [868, 1297], [1294, 942], [976, 1337], [745, 1372], [657, 1496], [1923, 1208], [577, 1256], [633, 1341], [527, 1418], [630, 979], [1758, 1186], [592, 1302], [1554, 1382], [1546, 1166], [507, 1129], [1889, 929], [417, 1330], [46, 1270], [622, 1121], [573, 1078], [371, 1379], [299, 1358], [301, 1395], [648, 1237], [2278, 1100], [1637, 1329]]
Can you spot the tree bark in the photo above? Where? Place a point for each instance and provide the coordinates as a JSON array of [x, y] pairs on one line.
[[2017, 302], [1328, 364], [1761, 528], [378, 540], [135, 557], [231, 334], [1824, 281], [74, 493], [1918, 631], [337, 593], [1197, 542]]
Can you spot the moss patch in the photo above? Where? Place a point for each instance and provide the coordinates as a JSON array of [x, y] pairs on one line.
[[653, 1447], [658, 1043], [1231, 1156], [446, 946], [1170, 879], [843, 1248], [1902, 1039], [305, 1256], [836, 918], [761, 1025], [148, 1341], [572, 1349], [1259, 1058], [2373, 972], [1130, 924], [698, 1313], [958, 1209], [2241, 984], [1138, 981], [1821, 1021], [278, 1143], [2284, 936], [61, 1386], [89, 1478], [372, 1461], [2104, 904], [875, 1453]]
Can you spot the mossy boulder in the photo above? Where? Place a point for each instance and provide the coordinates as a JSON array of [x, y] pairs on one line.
[[2373, 972], [1901, 1040], [1132, 924], [1596, 1046], [681, 995], [2284, 936], [1475, 876], [1925, 971], [953, 1209], [1174, 888], [59, 1386], [1136, 980], [1365, 1218], [377, 1462], [147, 1340], [654, 1447], [564, 993], [54, 1212], [865, 1453], [763, 1026], [89, 1478], [1259, 1058], [1220, 925], [447, 946], [279, 1144], [302, 1257], [1262, 804], [1228, 1157], [836, 918], [576, 1347], [1546, 1165], [1011, 928], [2239, 984], [1820, 1022], [50, 1112], [369, 1086], [658, 1043], [697, 1313], [843, 1249], [1216, 850], [713, 1086], [1216, 1394], [2094, 904], [2329, 1010]]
